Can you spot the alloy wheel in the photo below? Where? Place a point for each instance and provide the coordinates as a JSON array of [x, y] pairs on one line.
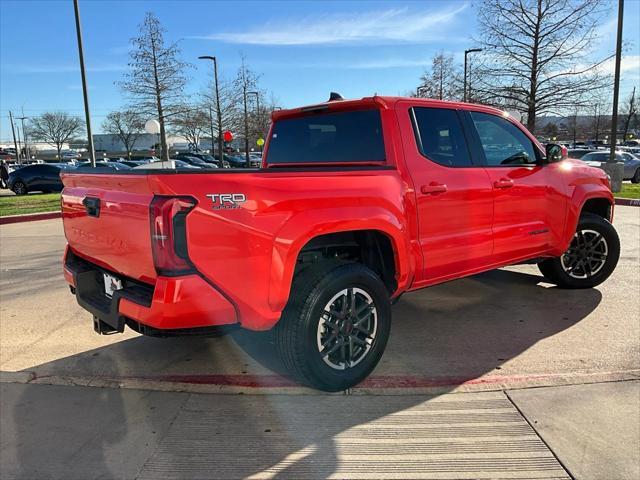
[[19, 188], [586, 255], [347, 328]]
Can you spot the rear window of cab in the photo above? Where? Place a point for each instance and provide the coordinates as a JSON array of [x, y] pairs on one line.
[[337, 137]]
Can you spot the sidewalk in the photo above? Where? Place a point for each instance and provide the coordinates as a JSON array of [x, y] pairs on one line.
[[580, 431]]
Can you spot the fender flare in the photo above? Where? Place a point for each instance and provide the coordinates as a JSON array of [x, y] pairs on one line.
[[289, 241], [576, 205]]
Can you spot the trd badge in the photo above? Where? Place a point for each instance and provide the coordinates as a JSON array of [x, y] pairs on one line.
[[227, 201]]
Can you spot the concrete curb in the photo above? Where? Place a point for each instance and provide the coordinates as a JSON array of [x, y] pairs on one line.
[[629, 202], [277, 385], [29, 217]]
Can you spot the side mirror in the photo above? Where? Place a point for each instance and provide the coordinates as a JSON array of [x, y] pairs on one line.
[[555, 153]]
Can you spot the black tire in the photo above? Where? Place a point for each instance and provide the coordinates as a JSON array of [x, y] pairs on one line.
[[19, 188], [636, 176], [555, 269], [298, 334]]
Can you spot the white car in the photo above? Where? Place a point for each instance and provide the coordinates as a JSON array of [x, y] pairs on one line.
[[70, 155], [631, 163], [170, 164]]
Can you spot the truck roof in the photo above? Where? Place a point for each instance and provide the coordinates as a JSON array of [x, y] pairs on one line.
[[381, 102]]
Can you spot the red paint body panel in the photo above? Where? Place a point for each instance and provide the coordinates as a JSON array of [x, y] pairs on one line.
[[119, 238], [178, 299], [244, 258]]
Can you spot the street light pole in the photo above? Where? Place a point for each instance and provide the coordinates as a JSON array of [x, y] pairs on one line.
[[85, 93], [219, 108], [467, 52], [24, 136], [246, 127], [15, 143], [257, 94], [614, 170]]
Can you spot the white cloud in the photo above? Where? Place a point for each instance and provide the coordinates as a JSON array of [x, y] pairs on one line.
[[61, 68], [628, 64], [394, 25], [629, 67], [391, 62]]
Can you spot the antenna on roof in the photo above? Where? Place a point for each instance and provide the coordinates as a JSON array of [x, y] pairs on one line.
[[333, 96]]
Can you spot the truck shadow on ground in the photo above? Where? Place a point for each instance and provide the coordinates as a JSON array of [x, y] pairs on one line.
[[460, 330]]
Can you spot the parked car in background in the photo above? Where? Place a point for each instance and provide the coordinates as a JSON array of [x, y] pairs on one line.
[[631, 163], [133, 163], [37, 178], [70, 155], [109, 165], [578, 153], [256, 159], [195, 161], [207, 158], [236, 161], [172, 164]]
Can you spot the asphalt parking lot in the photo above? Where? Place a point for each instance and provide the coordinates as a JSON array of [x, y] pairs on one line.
[[497, 334]]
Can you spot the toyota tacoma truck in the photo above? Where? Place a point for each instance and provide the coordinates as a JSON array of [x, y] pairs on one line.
[[356, 202]]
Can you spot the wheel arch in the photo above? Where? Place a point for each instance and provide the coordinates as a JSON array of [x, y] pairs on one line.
[[600, 206], [381, 234], [597, 202]]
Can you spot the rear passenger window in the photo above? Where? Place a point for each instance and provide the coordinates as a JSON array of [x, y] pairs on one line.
[[503, 143], [354, 136], [439, 136]]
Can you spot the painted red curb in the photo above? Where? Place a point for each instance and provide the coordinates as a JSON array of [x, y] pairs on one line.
[[374, 382], [30, 217], [629, 202]]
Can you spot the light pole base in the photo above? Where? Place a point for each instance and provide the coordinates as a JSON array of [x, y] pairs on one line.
[[616, 172]]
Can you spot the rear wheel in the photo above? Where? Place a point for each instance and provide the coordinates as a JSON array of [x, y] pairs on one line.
[[636, 176], [336, 326], [591, 257], [19, 188]]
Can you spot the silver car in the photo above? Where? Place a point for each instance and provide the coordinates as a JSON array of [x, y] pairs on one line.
[[631, 163]]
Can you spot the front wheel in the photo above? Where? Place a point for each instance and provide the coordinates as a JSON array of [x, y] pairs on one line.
[[336, 325], [19, 188], [636, 176], [591, 257]]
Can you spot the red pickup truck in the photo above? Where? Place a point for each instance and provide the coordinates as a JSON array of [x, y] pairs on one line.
[[356, 202]]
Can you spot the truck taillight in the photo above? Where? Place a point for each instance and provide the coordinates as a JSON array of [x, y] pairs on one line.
[[169, 234]]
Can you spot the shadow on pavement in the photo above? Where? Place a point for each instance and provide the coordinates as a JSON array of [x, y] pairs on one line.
[[463, 329]]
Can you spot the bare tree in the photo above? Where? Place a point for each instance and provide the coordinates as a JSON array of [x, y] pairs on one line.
[[442, 80], [55, 128], [631, 114], [599, 106], [156, 81], [551, 130], [246, 80], [537, 53], [193, 124], [230, 106], [573, 126], [127, 125]]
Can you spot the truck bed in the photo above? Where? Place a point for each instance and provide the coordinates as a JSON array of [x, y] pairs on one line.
[[241, 234]]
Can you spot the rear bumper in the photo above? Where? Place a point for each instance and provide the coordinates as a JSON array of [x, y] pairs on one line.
[[172, 304]]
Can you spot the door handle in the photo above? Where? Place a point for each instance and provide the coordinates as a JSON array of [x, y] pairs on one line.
[[433, 188], [503, 183]]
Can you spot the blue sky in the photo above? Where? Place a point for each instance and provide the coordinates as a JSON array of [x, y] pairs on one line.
[[303, 50]]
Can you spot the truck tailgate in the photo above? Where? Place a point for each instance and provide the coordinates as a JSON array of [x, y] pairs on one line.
[[106, 221]]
